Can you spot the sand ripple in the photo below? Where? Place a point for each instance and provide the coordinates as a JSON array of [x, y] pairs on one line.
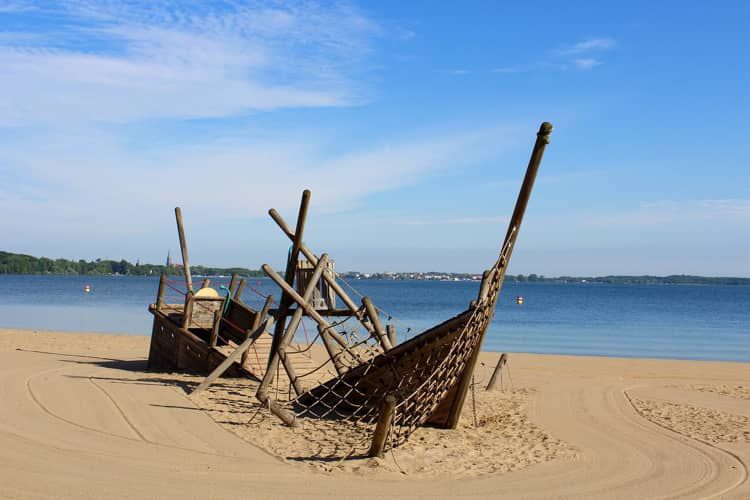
[[706, 424]]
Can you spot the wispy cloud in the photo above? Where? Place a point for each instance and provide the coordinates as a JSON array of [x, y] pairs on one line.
[[577, 56], [117, 62], [587, 63], [669, 213], [450, 221], [580, 54], [587, 46]]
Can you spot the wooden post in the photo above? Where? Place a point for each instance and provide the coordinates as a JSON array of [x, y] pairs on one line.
[[219, 370], [380, 333], [160, 293], [232, 284], [498, 368], [291, 268], [385, 418], [215, 330], [240, 289], [187, 310], [183, 249], [391, 331]]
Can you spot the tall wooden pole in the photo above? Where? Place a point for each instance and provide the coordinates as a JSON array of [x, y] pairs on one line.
[[183, 249], [542, 139], [291, 268]]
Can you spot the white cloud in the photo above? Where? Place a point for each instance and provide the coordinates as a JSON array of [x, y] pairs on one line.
[[586, 46], [452, 221], [675, 214], [117, 63], [86, 179], [586, 63]]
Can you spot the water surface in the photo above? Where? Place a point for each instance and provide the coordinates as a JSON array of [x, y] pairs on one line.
[[662, 321]]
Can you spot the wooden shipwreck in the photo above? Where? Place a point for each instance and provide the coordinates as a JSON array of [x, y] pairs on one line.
[[367, 377]]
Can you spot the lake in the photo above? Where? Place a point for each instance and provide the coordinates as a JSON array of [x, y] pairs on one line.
[[661, 321]]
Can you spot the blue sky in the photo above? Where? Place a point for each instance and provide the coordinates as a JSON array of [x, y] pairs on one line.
[[411, 122]]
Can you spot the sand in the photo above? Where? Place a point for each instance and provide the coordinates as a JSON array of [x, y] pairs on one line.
[[80, 417]]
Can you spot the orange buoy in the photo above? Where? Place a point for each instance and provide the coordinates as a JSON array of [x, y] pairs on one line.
[[519, 300], [87, 288]]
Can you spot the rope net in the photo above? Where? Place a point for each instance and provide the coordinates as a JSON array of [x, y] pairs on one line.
[[422, 374]]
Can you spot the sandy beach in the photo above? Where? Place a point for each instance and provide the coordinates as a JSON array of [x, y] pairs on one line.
[[81, 417]]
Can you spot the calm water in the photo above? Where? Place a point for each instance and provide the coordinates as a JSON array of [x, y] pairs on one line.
[[686, 321]]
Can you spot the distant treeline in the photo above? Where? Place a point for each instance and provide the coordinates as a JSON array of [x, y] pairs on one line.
[[13, 263]]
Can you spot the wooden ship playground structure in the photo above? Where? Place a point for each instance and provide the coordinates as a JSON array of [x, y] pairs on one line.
[[369, 381]]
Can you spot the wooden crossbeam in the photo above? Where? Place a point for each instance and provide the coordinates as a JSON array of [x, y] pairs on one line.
[[219, 371]]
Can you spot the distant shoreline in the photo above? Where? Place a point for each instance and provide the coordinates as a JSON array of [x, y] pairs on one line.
[[21, 264], [455, 278]]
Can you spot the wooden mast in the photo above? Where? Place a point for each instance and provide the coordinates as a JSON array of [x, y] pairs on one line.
[[542, 139]]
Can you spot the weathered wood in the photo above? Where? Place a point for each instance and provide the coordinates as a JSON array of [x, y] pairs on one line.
[[497, 372], [385, 417], [330, 279], [160, 293], [326, 331], [322, 312], [484, 287], [291, 267], [215, 330], [240, 288], [233, 284], [187, 311], [279, 353], [542, 139], [391, 331], [258, 318], [232, 357], [380, 332], [183, 249], [176, 348], [286, 416]]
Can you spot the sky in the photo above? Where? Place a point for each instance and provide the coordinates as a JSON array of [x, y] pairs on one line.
[[410, 122]]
